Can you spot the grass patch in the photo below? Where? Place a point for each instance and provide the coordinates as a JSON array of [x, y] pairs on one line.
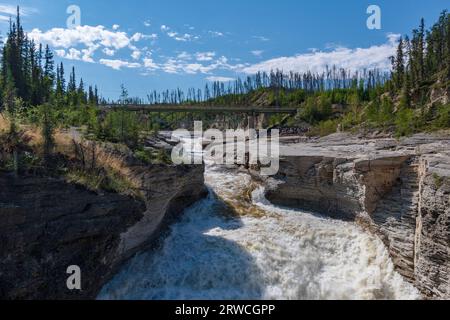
[[438, 181], [102, 180], [324, 128], [149, 157]]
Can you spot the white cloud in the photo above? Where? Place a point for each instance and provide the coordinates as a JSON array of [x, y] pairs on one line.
[[317, 61], [83, 35], [11, 10], [75, 54], [205, 56], [152, 36], [177, 36], [115, 27], [137, 37], [60, 53], [182, 37], [82, 42], [219, 79], [136, 54], [8, 9], [184, 56], [150, 64], [171, 66], [147, 23], [8, 12], [119, 64], [71, 54], [257, 53], [88, 53], [193, 68], [175, 65], [216, 34], [109, 52], [5, 18], [261, 38]]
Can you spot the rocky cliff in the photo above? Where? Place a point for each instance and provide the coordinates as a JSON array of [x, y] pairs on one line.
[[398, 190], [48, 224]]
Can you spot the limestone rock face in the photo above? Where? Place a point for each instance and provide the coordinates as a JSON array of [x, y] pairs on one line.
[[398, 190], [432, 258], [48, 225], [167, 190]]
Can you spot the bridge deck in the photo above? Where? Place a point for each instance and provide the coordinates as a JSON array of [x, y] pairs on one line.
[[206, 109]]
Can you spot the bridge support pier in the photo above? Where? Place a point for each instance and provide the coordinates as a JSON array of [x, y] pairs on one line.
[[251, 120]]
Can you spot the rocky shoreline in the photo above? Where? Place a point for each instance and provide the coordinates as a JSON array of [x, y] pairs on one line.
[[399, 190]]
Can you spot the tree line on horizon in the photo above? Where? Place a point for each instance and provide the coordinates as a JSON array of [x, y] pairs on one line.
[[419, 63], [231, 92]]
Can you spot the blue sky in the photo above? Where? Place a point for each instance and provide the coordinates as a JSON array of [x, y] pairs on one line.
[[151, 44]]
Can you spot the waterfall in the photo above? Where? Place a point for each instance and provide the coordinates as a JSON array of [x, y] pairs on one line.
[[236, 245]]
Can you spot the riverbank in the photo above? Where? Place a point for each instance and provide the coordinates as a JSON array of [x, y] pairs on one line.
[[397, 190], [51, 220]]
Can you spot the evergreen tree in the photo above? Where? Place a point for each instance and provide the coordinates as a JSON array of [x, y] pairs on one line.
[[72, 86], [81, 95], [49, 75], [399, 65], [91, 96], [421, 50], [96, 96], [62, 84]]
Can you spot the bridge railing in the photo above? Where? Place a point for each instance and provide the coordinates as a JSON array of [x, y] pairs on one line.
[[207, 109]]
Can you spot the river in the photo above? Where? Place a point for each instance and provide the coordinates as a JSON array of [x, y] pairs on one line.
[[236, 245]]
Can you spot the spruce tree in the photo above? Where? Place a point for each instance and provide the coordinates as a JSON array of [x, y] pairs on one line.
[[49, 75], [399, 65], [81, 95]]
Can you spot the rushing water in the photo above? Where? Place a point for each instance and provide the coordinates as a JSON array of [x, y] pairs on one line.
[[236, 245]]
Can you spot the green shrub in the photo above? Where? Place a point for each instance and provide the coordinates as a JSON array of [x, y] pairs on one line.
[[438, 181], [144, 155], [324, 128], [442, 120], [163, 157], [101, 179], [404, 122], [386, 112], [121, 126]]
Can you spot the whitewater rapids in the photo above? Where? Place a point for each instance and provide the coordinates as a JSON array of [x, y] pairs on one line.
[[236, 245]]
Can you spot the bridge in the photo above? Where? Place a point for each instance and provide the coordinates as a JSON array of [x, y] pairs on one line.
[[253, 116], [201, 108]]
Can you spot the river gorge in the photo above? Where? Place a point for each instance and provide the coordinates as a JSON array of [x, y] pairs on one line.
[[363, 231], [345, 217], [236, 245]]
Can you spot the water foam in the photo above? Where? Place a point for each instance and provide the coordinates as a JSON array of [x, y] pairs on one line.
[[283, 254]]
